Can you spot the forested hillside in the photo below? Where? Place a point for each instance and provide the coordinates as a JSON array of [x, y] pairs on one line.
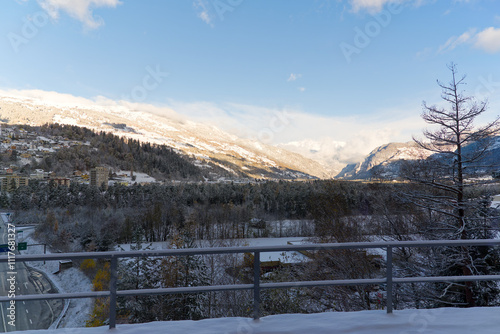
[[86, 215], [117, 153]]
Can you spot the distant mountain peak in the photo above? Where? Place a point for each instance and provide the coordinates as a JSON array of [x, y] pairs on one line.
[[388, 155]]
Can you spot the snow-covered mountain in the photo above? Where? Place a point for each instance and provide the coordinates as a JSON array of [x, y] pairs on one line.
[[162, 126], [385, 161], [324, 151], [388, 156]]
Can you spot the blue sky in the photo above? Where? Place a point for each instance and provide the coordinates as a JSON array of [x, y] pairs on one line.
[[348, 74]]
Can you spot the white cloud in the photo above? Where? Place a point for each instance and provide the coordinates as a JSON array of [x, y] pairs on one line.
[[82, 10], [302, 89], [357, 135], [455, 41], [374, 6], [371, 5], [488, 40], [294, 77], [361, 134], [203, 11]]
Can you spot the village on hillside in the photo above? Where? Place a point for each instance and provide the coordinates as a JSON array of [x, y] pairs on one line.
[[20, 147]]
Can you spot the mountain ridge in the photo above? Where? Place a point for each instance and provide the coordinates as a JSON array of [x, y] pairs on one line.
[[386, 160], [388, 156], [241, 157]]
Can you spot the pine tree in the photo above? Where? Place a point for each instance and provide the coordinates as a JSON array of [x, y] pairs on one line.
[[139, 273], [184, 271]]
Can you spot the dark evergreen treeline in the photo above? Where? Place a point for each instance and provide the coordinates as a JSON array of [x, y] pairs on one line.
[[90, 216], [282, 199]]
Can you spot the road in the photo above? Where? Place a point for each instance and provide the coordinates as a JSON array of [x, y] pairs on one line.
[[30, 314]]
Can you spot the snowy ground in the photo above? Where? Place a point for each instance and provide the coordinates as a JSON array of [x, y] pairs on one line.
[[495, 203], [442, 321], [124, 176], [76, 311], [284, 257]]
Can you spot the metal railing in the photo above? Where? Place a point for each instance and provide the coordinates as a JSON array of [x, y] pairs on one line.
[[389, 280]]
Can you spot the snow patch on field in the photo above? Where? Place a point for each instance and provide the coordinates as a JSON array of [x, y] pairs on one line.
[[496, 202], [124, 176]]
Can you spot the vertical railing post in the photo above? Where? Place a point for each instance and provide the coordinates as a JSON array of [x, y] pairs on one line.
[[256, 285], [112, 290], [389, 279]]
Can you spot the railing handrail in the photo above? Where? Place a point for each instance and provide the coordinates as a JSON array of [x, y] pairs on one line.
[[389, 280], [252, 249]]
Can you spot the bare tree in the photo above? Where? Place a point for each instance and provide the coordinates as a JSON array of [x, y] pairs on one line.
[[447, 173], [456, 130]]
